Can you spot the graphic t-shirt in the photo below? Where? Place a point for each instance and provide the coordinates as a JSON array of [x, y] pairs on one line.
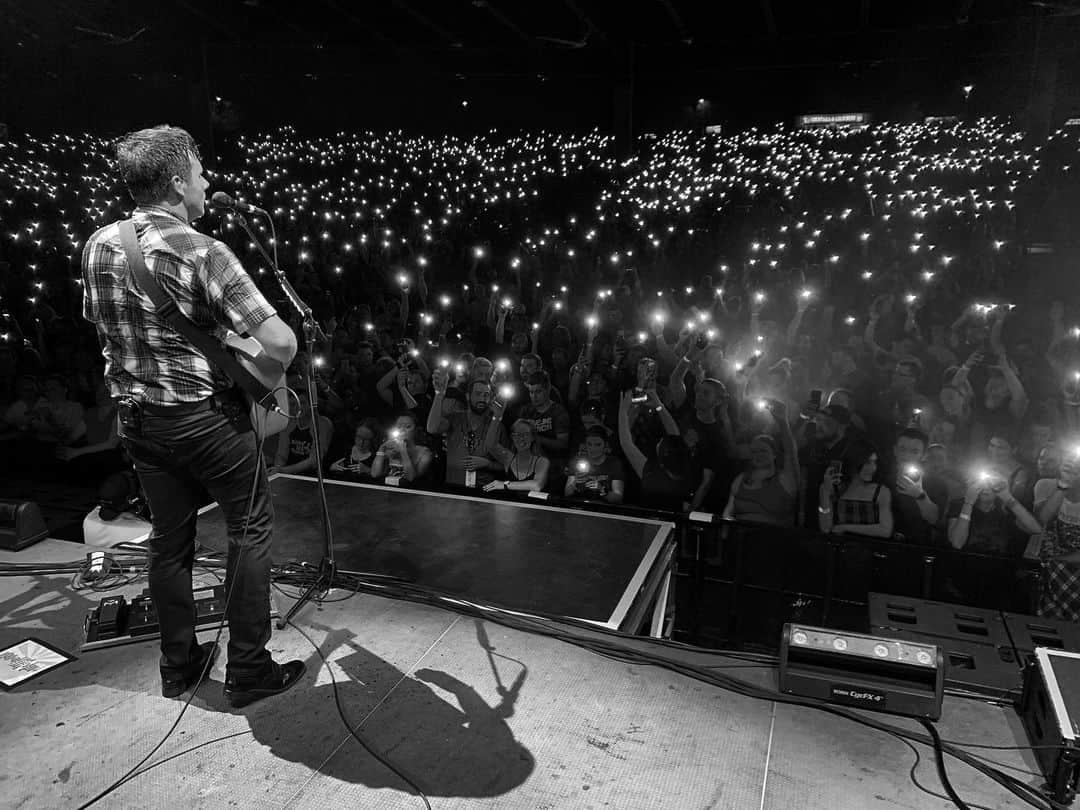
[[597, 482]]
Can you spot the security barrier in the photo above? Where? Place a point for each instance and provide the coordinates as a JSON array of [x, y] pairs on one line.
[[737, 583]]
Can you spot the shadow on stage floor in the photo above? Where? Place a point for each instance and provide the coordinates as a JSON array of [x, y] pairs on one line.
[[423, 718]]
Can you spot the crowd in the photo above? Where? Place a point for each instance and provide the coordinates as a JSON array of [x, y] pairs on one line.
[[843, 331]]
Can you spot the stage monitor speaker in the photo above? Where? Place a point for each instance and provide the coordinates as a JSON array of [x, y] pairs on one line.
[[1050, 711], [882, 674], [21, 524]]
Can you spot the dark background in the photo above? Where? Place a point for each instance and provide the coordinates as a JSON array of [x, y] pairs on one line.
[[625, 67]]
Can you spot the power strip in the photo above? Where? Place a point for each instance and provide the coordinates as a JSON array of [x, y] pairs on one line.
[[115, 621]]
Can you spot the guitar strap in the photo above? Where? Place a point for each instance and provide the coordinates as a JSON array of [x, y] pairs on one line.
[[167, 309]]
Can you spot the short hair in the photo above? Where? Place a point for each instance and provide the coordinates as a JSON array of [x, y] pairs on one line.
[[150, 158], [364, 344], [540, 378], [914, 433], [533, 356], [479, 381]]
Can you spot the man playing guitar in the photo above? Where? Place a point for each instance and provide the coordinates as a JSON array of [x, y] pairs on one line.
[[181, 420]]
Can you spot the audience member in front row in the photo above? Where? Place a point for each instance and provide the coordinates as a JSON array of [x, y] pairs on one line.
[[471, 434], [1057, 506], [18, 415], [296, 444], [526, 470], [101, 455], [666, 479], [1003, 461], [918, 500], [852, 500], [990, 519], [400, 457], [596, 474], [827, 447], [707, 432], [57, 420], [768, 490], [550, 420], [357, 462]]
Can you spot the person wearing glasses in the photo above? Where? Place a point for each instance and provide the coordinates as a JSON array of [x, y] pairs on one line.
[[526, 470], [356, 464]]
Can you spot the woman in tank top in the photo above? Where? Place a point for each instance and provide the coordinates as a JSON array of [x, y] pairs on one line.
[[768, 490], [400, 457], [526, 470], [296, 444], [851, 500]]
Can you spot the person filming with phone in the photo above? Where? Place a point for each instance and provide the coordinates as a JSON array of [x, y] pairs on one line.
[[918, 501], [827, 446], [989, 519], [851, 499]]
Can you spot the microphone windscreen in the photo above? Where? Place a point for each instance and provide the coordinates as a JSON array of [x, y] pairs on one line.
[[220, 199]]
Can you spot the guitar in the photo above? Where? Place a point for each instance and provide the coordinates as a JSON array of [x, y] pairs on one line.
[[248, 352]]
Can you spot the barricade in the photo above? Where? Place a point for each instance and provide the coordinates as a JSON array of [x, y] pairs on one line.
[[740, 582], [737, 583]]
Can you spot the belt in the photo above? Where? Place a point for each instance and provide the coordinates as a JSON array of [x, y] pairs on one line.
[[211, 403]]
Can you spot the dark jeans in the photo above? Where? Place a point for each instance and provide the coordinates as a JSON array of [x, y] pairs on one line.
[[173, 454]]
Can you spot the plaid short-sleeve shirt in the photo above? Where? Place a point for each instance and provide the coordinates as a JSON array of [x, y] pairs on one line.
[[144, 356]]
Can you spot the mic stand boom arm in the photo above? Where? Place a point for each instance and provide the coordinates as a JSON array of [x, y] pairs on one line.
[[324, 579]]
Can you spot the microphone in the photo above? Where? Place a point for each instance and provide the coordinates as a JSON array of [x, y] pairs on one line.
[[220, 199]]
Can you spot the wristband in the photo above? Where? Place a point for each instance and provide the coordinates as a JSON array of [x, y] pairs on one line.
[[1062, 487], [962, 516], [506, 485], [824, 510]]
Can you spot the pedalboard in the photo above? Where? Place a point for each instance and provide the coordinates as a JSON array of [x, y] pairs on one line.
[[116, 621]]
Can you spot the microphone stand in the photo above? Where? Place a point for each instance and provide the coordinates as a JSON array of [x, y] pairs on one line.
[[324, 578]]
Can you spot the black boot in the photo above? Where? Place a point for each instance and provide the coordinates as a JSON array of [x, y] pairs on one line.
[[280, 677]]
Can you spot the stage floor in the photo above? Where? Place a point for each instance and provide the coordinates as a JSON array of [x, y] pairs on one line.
[[420, 686]]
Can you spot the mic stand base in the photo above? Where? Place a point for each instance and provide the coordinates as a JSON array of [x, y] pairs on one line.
[[324, 581]]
